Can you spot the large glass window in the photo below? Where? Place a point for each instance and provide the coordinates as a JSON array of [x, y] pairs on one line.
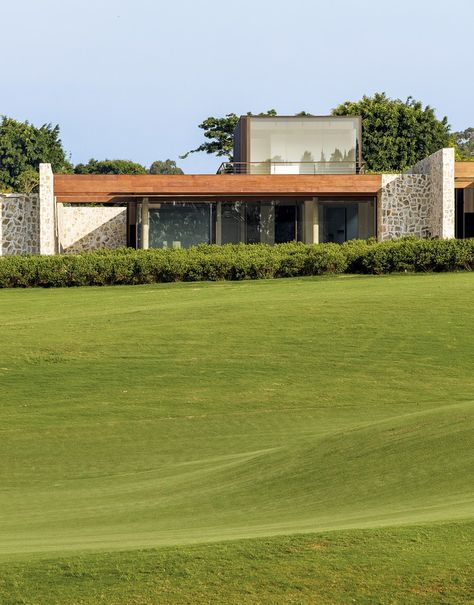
[[185, 224], [178, 225], [261, 222], [304, 145]]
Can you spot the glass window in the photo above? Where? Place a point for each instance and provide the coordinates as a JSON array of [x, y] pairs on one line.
[[265, 222], [232, 223], [304, 145], [180, 225], [340, 221]]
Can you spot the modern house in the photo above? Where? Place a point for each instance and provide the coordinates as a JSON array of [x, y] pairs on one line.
[[292, 179]]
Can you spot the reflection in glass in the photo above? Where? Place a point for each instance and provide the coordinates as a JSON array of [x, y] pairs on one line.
[[339, 221], [184, 224], [261, 222], [177, 225], [309, 145]]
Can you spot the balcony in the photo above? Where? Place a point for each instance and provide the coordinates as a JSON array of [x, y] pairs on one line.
[[270, 167]]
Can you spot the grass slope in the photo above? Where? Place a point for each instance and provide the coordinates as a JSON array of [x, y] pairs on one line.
[[398, 566], [134, 417]]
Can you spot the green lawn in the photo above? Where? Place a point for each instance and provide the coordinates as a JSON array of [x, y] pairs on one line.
[[158, 417]]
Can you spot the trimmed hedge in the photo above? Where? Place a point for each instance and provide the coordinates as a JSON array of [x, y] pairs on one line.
[[409, 255], [234, 262]]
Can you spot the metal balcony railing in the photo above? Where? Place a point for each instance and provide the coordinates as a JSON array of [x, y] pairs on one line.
[[342, 167]]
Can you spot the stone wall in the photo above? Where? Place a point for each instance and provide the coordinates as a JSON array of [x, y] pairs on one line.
[[419, 202], [84, 228], [404, 206], [440, 168], [19, 224]]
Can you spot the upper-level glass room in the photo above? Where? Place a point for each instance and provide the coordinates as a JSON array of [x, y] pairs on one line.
[[297, 145]]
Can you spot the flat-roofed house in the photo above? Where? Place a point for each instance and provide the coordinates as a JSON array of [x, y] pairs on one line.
[[298, 178]]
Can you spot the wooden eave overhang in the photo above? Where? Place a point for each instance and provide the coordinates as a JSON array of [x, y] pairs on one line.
[[76, 188], [464, 175]]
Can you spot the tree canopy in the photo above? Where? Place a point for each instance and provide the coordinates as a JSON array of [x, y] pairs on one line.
[[165, 167], [220, 134], [396, 134], [127, 167], [22, 148], [464, 141], [110, 167]]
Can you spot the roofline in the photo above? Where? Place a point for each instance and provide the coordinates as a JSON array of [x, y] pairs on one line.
[[310, 116], [76, 188]]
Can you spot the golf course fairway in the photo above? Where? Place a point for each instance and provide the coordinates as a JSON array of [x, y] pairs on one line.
[[196, 443]]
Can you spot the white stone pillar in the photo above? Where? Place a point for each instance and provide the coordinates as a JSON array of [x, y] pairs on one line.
[[448, 223], [47, 211], [1, 224], [145, 224]]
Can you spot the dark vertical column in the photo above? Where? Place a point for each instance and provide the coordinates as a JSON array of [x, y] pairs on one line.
[[459, 232], [131, 225], [242, 145]]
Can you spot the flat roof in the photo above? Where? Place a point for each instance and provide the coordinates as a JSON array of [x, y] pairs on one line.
[[301, 117], [116, 188]]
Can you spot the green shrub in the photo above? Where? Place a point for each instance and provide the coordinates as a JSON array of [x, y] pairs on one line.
[[355, 251], [234, 262], [415, 255]]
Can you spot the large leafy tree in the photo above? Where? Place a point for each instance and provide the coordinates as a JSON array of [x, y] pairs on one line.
[[110, 167], [220, 134], [464, 141], [396, 134], [22, 148], [165, 167]]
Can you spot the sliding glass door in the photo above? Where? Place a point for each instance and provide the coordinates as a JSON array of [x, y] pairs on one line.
[[342, 220]]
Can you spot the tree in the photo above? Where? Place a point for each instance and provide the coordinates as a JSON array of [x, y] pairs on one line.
[[396, 134], [166, 167], [23, 147], [28, 181], [220, 132], [110, 167], [464, 141]]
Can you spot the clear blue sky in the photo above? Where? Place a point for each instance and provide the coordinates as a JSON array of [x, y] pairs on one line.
[[133, 78]]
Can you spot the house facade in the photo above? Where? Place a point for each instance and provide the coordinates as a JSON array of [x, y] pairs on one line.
[[292, 179]]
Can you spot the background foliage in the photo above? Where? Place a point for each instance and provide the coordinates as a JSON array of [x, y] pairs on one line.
[[127, 167], [110, 167], [22, 148], [220, 134], [464, 141], [166, 167], [396, 134]]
